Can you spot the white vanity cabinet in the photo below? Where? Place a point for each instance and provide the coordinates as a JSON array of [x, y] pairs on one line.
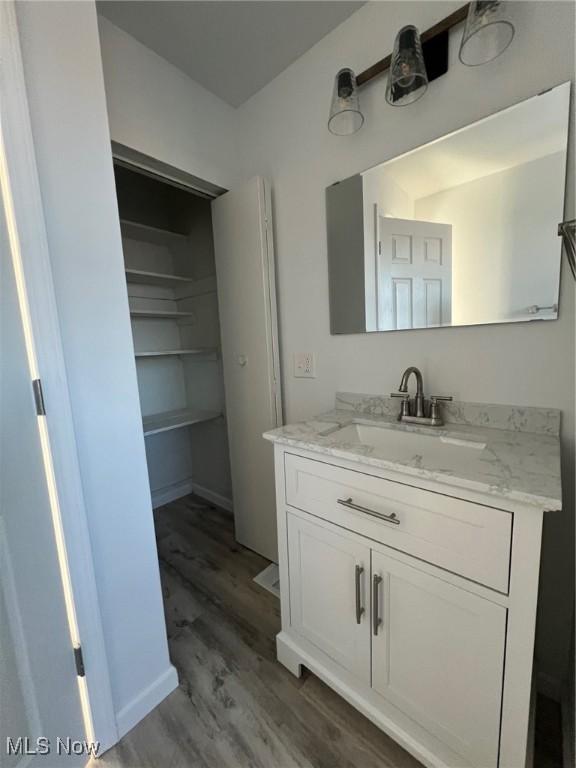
[[438, 655], [329, 592], [433, 649], [403, 599]]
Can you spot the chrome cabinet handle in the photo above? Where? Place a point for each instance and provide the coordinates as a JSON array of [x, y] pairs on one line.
[[350, 504], [376, 620], [359, 609]]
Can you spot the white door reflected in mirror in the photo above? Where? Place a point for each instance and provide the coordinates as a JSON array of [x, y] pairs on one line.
[[460, 231]]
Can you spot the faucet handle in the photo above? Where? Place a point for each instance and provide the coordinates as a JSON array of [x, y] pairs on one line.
[[405, 405], [435, 415]]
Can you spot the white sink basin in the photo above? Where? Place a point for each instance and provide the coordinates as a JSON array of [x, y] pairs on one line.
[[398, 441]]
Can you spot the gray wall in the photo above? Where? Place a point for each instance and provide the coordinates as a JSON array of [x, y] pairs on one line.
[[526, 364], [157, 110], [345, 242], [68, 111]]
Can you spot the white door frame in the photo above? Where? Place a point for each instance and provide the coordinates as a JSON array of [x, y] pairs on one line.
[[150, 166], [169, 174], [29, 251]]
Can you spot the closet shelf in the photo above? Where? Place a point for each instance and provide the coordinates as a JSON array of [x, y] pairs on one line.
[[163, 422], [165, 280], [159, 314], [178, 352], [136, 231]]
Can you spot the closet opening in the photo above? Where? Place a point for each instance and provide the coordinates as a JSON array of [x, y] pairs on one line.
[[195, 339], [171, 282]]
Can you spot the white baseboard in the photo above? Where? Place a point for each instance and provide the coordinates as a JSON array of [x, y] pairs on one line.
[[146, 701], [215, 498], [170, 493]]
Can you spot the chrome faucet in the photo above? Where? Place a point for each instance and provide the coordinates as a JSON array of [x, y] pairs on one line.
[[403, 389], [417, 415]]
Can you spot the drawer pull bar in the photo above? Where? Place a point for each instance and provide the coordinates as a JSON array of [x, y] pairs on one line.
[[388, 518], [359, 609], [376, 620]]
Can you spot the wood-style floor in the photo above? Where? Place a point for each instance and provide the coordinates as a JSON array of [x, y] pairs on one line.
[[236, 706]]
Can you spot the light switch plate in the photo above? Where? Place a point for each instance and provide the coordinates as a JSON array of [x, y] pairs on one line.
[[305, 365]]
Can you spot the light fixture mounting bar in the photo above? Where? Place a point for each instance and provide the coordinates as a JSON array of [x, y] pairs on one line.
[[438, 29]]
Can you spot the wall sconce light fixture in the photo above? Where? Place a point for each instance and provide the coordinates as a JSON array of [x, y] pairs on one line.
[[345, 115], [407, 78], [567, 231], [488, 32]]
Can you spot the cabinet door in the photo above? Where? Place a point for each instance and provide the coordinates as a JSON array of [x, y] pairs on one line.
[[329, 593], [438, 655]]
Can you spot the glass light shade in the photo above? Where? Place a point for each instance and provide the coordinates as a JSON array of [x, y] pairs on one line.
[[567, 230], [488, 32], [407, 78], [345, 115]]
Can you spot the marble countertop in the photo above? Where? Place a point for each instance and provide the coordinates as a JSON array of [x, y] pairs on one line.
[[512, 464]]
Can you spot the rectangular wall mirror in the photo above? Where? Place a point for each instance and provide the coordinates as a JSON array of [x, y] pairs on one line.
[[460, 231]]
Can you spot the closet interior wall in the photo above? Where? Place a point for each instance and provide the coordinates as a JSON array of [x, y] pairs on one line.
[[171, 280]]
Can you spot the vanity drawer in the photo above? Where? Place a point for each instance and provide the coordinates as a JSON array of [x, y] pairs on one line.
[[465, 538]]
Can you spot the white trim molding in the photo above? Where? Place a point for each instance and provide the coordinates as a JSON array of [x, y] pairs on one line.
[[147, 700], [212, 497], [22, 200], [169, 493]]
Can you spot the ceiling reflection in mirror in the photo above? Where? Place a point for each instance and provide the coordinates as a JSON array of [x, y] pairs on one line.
[[461, 231]]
